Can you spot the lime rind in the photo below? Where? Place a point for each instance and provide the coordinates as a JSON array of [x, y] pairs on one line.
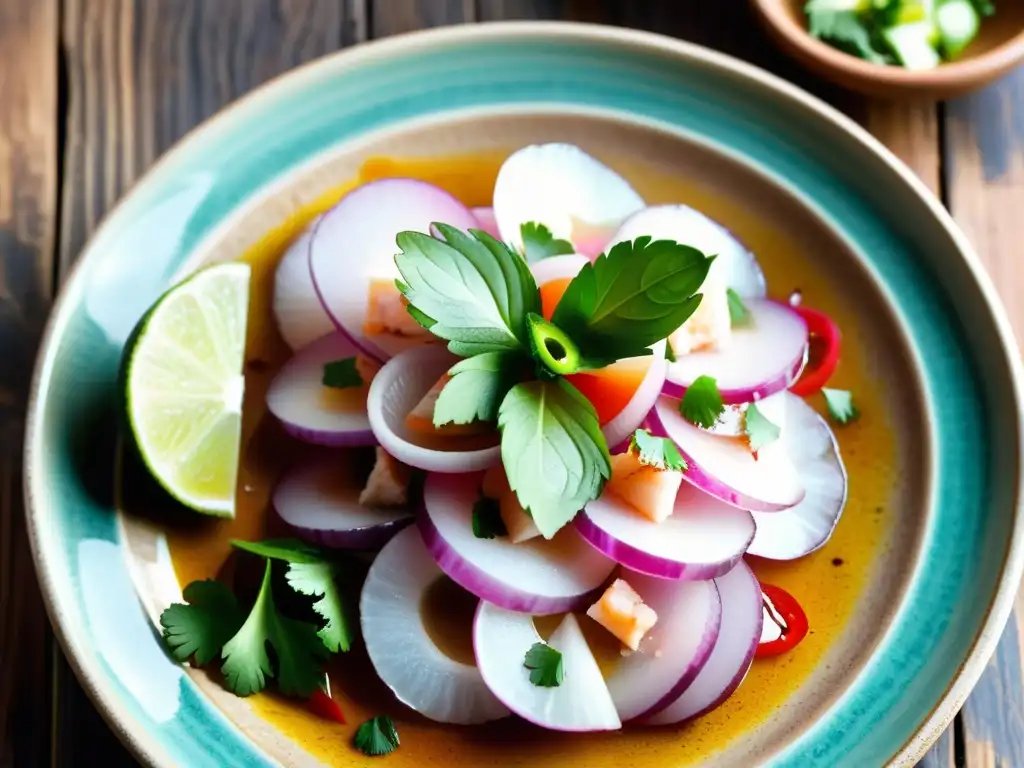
[[184, 387]]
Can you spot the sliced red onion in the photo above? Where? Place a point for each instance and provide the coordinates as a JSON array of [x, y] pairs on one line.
[[538, 576], [562, 187], [759, 361], [395, 391], [738, 267], [501, 640], [354, 242], [312, 412], [703, 538], [486, 221], [733, 652], [320, 503], [726, 469], [409, 662], [300, 316], [674, 651], [806, 527]]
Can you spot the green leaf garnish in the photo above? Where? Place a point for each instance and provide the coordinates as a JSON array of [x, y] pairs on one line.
[[297, 648], [758, 429], [342, 374], [545, 665], [631, 298], [487, 522], [984, 7], [702, 403], [199, 627], [739, 315], [287, 550], [670, 354], [377, 736], [476, 388], [318, 580], [539, 243], [468, 289], [840, 405], [554, 453], [659, 452], [552, 347], [847, 30]]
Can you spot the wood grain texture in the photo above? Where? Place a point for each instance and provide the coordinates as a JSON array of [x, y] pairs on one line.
[[28, 179], [392, 17], [984, 180]]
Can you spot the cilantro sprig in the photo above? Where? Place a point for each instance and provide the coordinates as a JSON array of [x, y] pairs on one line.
[[840, 405], [759, 430], [377, 736], [702, 402], [539, 243], [658, 452], [545, 665], [342, 374]]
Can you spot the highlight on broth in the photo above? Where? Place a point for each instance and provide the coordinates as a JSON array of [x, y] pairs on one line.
[[579, 411]]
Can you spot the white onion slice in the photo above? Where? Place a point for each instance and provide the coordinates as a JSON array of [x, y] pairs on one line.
[[354, 242], [703, 538], [806, 527], [582, 702], [300, 316], [737, 266], [733, 652], [421, 675], [319, 501], [486, 221], [674, 650], [395, 391], [761, 360], [560, 186], [537, 576], [725, 468], [312, 412]]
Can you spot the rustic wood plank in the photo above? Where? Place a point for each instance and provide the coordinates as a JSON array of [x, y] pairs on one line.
[[140, 74], [943, 753], [391, 17], [984, 180], [28, 198]]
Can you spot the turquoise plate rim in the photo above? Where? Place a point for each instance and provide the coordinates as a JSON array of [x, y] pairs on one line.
[[826, 741]]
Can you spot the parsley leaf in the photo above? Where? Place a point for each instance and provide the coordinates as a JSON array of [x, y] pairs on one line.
[[545, 665], [487, 522], [470, 290], [840, 405], [631, 298], [539, 243], [702, 403], [659, 452], [342, 374], [554, 453], [202, 626], [377, 736], [845, 30], [288, 550], [318, 580], [739, 315], [298, 650], [758, 429], [476, 388]]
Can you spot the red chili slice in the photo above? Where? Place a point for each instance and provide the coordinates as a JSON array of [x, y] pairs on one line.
[[823, 356], [323, 705], [782, 608]]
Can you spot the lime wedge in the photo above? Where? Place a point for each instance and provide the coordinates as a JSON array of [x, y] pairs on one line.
[[183, 386]]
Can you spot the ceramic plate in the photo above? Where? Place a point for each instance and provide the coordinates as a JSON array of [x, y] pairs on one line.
[[942, 558]]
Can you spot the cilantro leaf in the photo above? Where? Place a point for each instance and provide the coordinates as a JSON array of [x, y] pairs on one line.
[[342, 374], [758, 429], [984, 7], [318, 580], [200, 626], [554, 453], [634, 296], [702, 402], [659, 452], [840, 405], [739, 315], [298, 650], [476, 388], [288, 550], [545, 665], [377, 736], [487, 522], [845, 30], [670, 354], [469, 289], [539, 243]]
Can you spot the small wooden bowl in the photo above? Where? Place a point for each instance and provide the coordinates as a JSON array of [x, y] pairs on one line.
[[998, 48]]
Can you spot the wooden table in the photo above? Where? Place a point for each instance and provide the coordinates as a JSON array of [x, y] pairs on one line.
[[92, 91]]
